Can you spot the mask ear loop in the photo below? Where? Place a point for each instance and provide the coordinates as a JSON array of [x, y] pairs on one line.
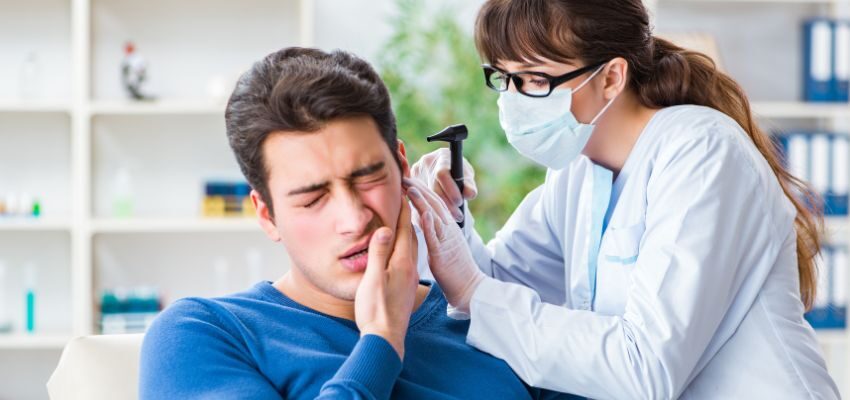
[[593, 122], [589, 78]]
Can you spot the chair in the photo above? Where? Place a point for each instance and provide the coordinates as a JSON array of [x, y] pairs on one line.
[[98, 367]]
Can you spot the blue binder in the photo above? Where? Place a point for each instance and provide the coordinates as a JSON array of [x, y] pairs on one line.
[[818, 73], [841, 60], [840, 269], [819, 165], [839, 180], [797, 154], [830, 308]]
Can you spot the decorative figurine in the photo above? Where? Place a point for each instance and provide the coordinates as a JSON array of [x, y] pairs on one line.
[[134, 72]]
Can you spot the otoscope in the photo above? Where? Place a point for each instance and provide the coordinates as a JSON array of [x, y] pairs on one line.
[[455, 135]]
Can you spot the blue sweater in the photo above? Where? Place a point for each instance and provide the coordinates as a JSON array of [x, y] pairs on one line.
[[260, 344]]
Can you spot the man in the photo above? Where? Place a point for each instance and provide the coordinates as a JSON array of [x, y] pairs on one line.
[[315, 136]]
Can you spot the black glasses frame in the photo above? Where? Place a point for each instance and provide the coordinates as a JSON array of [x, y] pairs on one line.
[[554, 81]]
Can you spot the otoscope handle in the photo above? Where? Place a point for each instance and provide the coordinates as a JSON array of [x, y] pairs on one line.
[[456, 149], [455, 135]]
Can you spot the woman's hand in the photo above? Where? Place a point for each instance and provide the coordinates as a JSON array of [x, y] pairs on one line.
[[449, 257], [434, 169], [385, 298]]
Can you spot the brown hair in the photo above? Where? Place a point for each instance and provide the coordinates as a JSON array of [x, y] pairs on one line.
[[300, 90], [661, 75]]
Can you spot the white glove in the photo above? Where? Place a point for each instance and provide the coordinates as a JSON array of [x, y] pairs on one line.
[[434, 170], [449, 257]]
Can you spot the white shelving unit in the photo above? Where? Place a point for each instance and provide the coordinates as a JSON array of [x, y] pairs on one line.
[[79, 127], [197, 225], [800, 110], [35, 225], [161, 107], [787, 113], [9, 106]]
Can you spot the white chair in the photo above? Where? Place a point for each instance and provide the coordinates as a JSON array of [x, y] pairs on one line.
[[98, 367]]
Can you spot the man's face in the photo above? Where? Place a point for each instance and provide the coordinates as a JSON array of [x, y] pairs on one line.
[[331, 190]]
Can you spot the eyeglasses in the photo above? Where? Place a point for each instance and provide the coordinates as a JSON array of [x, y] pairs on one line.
[[530, 83]]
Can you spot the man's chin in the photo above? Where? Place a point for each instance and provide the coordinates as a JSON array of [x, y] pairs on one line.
[[347, 284]]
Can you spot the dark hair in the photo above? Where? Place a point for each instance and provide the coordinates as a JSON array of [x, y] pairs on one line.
[[661, 74], [301, 90]]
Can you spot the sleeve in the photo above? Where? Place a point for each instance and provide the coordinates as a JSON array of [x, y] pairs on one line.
[[187, 353], [528, 248], [369, 372], [699, 207]]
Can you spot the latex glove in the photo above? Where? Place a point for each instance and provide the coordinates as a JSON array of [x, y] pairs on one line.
[[449, 257], [386, 295], [434, 169]]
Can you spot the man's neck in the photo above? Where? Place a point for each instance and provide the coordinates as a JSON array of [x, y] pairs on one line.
[[305, 293]]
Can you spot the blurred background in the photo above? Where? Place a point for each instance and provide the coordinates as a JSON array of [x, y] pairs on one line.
[[119, 195]]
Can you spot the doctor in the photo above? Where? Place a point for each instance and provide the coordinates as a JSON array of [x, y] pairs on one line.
[[667, 254]]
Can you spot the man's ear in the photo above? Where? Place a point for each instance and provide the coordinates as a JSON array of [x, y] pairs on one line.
[[402, 157], [264, 217], [616, 77]]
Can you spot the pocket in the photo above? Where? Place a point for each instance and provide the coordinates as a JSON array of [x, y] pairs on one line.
[[617, 256], [622, 245]]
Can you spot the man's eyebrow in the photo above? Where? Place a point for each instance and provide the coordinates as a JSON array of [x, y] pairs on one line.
[[360, 172], [308, 189], [367, 170]]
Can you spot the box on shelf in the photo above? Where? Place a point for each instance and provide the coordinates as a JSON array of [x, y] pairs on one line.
[[227, 199], [128, 311]]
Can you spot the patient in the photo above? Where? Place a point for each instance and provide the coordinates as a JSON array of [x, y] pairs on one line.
[[315, 136]]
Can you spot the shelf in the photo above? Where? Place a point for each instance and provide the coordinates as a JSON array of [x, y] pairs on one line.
[[14, 224], [9, 106], [159, 107], [214, 225], [798, 110], [33, 342], [832, 336]]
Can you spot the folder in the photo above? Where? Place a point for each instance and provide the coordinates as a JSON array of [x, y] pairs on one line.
[[821, 315], [819, 162], [797, 155], [823, 262], [837, 197], [841, 62], [839, 285], [818, 61]]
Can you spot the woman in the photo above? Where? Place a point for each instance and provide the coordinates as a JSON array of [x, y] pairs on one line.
[[668, 253]]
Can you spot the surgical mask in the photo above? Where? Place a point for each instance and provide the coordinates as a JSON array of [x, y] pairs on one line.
[[544, 129]]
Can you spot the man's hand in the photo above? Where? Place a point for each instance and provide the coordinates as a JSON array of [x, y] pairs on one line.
[[386, 295]]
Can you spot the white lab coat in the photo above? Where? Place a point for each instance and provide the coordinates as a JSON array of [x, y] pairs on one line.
[[697, 292]]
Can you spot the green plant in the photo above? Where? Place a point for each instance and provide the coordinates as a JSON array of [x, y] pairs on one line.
[[434, 76]]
